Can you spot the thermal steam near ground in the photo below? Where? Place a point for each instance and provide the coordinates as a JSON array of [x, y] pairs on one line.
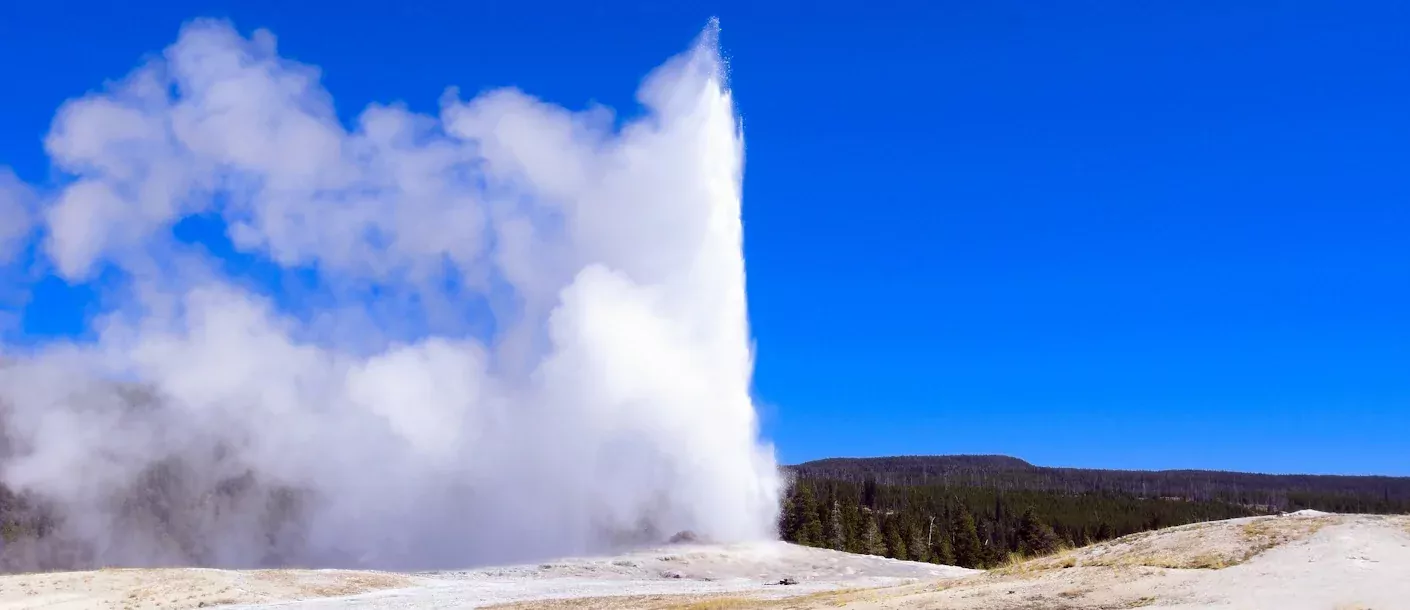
[[503, 332]]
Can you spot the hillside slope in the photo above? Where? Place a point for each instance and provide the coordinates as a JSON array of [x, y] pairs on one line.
[[1361, 494]]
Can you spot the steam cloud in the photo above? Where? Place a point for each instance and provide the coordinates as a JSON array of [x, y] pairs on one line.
[[505, 332]]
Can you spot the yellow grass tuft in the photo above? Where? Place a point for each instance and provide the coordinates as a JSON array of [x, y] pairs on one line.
[[1018, 564], [1204, 561]]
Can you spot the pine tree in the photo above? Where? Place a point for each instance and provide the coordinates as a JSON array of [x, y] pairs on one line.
[[990, 550], [837, 532], [855, 526], [872, 542], [1081, 538], [968, 553], [810, 528], [916, 548], [1035, 537], [783, 529], [941, 551], [869, 490], [800, 521], [1104, 532], [895, 544], [813, 533], [789, 522], [822, 509]]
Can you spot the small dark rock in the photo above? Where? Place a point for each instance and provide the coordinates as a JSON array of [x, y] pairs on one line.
[[788, 581], [684, 537]]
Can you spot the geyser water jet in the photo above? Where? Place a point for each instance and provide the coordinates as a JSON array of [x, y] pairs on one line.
[[506, 332]]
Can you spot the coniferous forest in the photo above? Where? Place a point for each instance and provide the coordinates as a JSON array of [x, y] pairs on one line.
[[978, 511]]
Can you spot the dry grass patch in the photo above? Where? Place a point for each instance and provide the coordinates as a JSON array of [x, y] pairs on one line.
[[1169, 548], [1203, 561], [1206, 546], [182, 589], [1405, 523], [725, 601], [1018, 565], [336, 584], [1265, 534]]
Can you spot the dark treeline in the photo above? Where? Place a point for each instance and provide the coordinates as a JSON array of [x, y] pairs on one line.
[[972, 526], [1361, 494]]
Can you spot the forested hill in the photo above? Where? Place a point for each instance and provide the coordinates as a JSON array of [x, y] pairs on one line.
[[977, 510], [1279, 492]]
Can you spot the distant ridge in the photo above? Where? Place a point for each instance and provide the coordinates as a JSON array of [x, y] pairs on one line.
[[1349, 493]]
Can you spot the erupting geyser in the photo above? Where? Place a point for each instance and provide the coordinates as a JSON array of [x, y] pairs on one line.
[[505, 332]]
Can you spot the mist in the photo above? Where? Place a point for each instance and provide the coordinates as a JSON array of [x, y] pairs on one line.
[[504, 332]]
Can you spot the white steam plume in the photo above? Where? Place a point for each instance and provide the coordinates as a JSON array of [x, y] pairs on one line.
[[505, 332]]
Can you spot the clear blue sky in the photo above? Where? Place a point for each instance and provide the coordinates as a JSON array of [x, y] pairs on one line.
[[1119, 234]]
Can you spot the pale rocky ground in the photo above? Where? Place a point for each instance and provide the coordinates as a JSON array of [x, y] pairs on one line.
[[1303, 561], [693, 570]]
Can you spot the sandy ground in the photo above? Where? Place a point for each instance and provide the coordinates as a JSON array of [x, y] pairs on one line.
[[186, 587], [676, 570], [1296, 562]]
